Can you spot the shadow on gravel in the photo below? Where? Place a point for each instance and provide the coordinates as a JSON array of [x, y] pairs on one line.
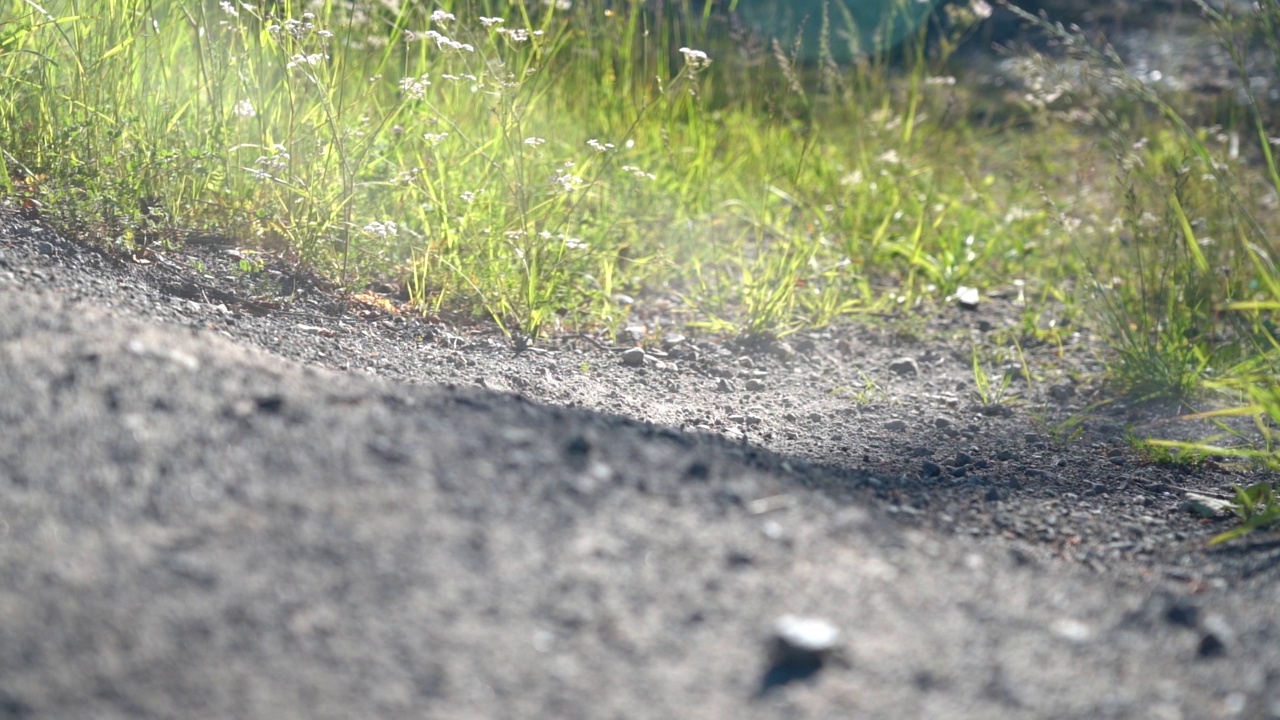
[[190, 527]]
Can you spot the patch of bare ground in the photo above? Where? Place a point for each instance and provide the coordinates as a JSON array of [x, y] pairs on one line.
[[227, 493]]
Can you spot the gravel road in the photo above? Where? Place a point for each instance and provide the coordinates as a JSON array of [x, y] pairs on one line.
[[223, 495]]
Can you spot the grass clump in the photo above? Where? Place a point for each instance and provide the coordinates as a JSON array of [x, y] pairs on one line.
[[1189, 297]]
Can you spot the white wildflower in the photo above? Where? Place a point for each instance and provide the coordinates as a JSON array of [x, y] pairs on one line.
[[434, 139], [981, 8], [598, 146], [441, 17], [244, 108], [568, 182], [404, 177], [447, 43], [516, 35], [414, 87], [573, 243], [534, 141], [491, 21], [695, 59], [229, 8], [384, 229], [308, 60], [637, 172], [298, 28]]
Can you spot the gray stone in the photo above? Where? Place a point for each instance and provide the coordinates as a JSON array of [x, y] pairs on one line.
[[904, 366]]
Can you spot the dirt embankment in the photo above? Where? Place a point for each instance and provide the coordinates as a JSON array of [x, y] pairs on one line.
[[223, 502]]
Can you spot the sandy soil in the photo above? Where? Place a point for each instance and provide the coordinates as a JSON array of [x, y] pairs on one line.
[[227, 494]]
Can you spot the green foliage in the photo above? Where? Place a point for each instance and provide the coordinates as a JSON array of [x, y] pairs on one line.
[[1257, 508], [522, 160], [1195, 311]]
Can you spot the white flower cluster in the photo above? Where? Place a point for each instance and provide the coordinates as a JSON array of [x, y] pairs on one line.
[[443, 42], [383, 229], [415, 87], [518, 35], [308, 60], [567, 181], [599, 146], [637, 172], [695, 59], [296, 28]]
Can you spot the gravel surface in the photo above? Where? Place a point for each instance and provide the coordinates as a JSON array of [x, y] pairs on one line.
[[230, 494]]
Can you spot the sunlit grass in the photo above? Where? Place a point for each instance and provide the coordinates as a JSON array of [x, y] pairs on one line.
[[522, 161]]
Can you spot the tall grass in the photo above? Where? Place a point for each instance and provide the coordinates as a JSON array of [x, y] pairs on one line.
[[1194, 318], [527, 161]]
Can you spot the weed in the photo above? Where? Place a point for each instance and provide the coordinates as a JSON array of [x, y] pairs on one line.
[[989, 393], [1257, 508], [870, 391]]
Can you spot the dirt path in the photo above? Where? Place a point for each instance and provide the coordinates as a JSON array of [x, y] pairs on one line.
[[192, 526]]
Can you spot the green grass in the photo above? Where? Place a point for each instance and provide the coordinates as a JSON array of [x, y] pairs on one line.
[[528, 163], [528, 170]]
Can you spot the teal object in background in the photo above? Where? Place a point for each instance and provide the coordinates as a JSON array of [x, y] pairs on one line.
[[866, 27]]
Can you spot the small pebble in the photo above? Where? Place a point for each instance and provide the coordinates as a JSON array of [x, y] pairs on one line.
[[1218, 638], [805, 636], [754, 385], [896, 425], [725, 385], [967, 297], [904, 366], [930, 468]]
